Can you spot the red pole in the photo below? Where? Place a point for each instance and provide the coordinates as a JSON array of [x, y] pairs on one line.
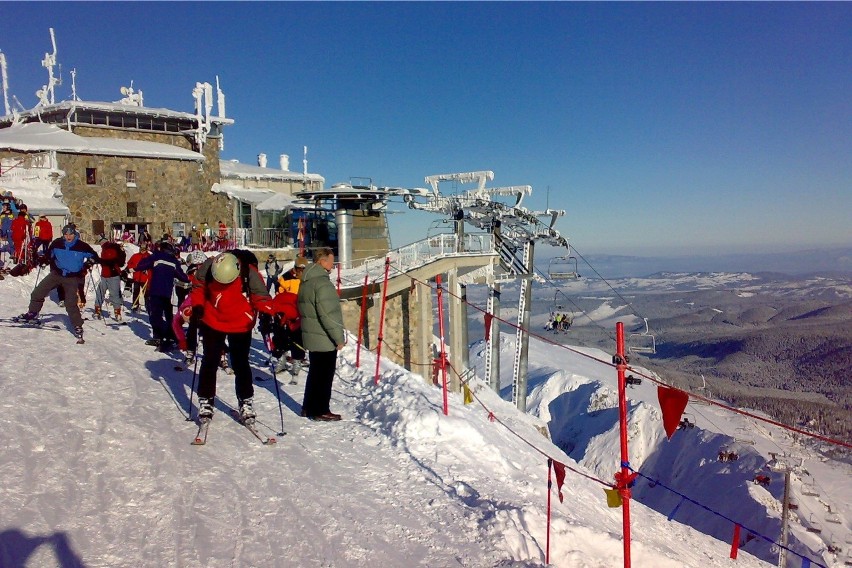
[[382, 319], [361, 322], [549, 485], [443, 345], [624, 490]]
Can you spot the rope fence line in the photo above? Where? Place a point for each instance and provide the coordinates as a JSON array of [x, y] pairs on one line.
[[657, 483], [801, 431]]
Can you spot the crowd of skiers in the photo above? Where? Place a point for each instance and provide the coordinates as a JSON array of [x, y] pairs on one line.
[[219, 299]]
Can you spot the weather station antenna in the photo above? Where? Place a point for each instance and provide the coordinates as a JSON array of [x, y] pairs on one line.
[[47, 94], [4, 76]]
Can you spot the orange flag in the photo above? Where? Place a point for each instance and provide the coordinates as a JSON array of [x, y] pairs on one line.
[[672, 403]]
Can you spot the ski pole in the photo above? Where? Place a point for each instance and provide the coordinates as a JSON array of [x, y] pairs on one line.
[[36, 279], [278, 396], [194, 375]]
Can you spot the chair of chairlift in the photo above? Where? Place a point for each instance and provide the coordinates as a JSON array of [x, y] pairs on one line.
[[686, 423], [642, 342], [809, 490], [563, 268], [726, 455], [833, 518], [630, 380]]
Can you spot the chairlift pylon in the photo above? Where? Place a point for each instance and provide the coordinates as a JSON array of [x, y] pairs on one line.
[[642, 342], [563, 268]]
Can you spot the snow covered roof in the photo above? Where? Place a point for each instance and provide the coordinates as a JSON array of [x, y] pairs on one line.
[[247, 195], [277, 202], [36, 136], [68, 106], [236, 170], [41, 200]]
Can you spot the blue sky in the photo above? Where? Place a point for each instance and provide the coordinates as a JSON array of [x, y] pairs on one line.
[[659, 127]]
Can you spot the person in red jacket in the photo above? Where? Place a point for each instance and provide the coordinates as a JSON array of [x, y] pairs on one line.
[[112, 260], [43, 233], [22, 232], [226, 303], [140, 278]]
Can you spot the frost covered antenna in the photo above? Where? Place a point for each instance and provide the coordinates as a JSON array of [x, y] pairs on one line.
[[131, 97], [220, 99], [74, 96], [5, 78], [203, 95], [47, 94]]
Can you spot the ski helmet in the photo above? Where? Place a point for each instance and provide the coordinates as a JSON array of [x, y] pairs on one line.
[[226, 268], [196, 257], [166, 247]]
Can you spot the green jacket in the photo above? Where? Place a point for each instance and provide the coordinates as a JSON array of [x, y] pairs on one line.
[[319, 306]]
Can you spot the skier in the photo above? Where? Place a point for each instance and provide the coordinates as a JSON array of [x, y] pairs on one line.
[[273, 271], [226, 304], [43, 234], [112, 259], [165, 267], [287, 326], [140, 278], [68, 257]]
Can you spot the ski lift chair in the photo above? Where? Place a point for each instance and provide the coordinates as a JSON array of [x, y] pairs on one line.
[[810, 490], [686, 423], [833, 518], [563, 268], [642, 342], [631, 381]]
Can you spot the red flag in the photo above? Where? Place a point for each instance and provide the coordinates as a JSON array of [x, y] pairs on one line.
[[735, 545], [488, 318], [672, 403], [559, 470]]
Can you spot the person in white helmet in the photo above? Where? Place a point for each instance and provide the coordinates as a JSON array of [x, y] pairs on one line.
[[226, 303]]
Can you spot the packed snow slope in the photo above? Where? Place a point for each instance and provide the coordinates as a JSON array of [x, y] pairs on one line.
[[98, 469]]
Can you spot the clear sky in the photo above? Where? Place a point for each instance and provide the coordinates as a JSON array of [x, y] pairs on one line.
[[658, 127]]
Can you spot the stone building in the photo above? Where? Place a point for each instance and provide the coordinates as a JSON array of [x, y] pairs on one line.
[[120, 166]]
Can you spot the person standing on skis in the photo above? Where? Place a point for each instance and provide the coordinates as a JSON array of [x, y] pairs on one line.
[[226, 303], [69, 258], [112, 260]]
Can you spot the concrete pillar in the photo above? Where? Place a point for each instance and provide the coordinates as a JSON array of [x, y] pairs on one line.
[[519, 379], [492, 350], [425, 334], [464, 330], [454, 324]]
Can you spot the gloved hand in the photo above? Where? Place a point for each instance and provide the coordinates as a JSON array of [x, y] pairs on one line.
[[89, 262], [197, 312], [43, 260]]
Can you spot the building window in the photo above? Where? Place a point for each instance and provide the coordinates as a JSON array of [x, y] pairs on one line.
[[132, 209], [130, 177], [91, 176]]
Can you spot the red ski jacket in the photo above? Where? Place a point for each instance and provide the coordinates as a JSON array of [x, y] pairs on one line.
[[226, 307]]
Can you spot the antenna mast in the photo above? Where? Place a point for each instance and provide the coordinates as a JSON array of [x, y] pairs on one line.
[[5, 79], [47, 94]]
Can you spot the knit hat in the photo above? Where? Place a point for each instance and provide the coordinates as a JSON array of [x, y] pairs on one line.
[[69, 229]]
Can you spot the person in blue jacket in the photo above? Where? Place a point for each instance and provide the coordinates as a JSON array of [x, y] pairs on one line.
[[69, 257], [165, 266]]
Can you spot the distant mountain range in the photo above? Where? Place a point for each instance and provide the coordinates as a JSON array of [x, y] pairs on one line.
[[832, 261]]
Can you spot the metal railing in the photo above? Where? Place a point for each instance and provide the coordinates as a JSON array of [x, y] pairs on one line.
[[418, 254]]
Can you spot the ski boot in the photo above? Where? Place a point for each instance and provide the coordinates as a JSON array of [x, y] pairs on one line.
[[98, 314], [117, 313], [153, 342], [189, 357], [247, 414], [28, 317], [205, 409], [78, 333]]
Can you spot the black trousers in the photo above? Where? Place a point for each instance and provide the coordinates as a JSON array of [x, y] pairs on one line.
[[214, 344], [160, 316], [318, 384]]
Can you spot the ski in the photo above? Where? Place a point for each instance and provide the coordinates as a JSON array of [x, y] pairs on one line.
[[32, 324], [265, 440], [201, 436]]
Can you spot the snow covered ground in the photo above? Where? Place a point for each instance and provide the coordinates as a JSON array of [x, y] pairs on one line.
[[98, 469]]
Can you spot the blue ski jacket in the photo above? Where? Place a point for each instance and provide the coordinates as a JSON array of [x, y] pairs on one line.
[[164, 269], [68, 258]]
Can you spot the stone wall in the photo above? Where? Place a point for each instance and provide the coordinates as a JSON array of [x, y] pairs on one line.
[[165, 192], [401, 342]]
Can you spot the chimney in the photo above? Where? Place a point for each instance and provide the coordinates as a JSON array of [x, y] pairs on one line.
[[261, 160], [285, 162]]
